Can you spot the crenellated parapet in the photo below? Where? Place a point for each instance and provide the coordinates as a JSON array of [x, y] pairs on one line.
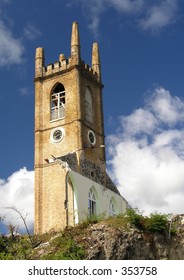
[[56, 67], [64, 64]]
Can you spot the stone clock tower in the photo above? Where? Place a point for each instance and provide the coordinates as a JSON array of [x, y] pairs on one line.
[[69, 131]]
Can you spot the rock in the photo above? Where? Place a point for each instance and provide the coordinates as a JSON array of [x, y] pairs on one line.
[[108, 243]]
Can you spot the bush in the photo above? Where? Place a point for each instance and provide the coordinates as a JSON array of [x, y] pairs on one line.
[[65, 248], [135, 218], [2, 244], [6, 256], [157, 223]]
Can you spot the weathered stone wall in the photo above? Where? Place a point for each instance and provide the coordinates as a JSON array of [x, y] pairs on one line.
[[109, 243], [75, 76], [51, 196]]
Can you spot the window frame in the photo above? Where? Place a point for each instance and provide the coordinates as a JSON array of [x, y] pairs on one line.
[[92, 203], [112, 208], [52, 138], [91, 132], [57, 112]]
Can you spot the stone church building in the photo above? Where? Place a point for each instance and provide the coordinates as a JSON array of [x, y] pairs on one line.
[[71, 182]]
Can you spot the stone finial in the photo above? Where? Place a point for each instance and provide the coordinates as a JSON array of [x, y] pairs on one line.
[[75, 43], [96, 60], [39, 62], [62, 57]]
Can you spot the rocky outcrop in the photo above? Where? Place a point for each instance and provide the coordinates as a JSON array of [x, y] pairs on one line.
[[109, 243], [112, 239]]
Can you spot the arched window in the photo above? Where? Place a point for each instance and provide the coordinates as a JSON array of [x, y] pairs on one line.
[[58, 102], [92, 204], [112, 208], [88, 105]]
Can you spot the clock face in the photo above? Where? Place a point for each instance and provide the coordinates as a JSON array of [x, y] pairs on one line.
[[91, 137], [57, 135]]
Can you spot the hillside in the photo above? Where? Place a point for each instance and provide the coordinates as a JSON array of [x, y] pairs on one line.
[[126, 237]]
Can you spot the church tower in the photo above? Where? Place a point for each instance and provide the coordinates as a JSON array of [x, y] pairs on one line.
[[69, 131]]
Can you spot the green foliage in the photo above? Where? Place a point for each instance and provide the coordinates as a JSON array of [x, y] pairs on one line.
[[154, 223], [65, 248], [17, 248], [70, 244], [173, 230], [70, 252], [119, 221], [6, 256], [135, 218], [3, 244], [91, 219], [157, 223]]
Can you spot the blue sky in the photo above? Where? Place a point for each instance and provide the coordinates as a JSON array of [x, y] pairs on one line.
[[142, 56]]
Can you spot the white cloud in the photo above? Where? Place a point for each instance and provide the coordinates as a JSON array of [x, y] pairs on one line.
[[146, 155], [148, 15], [17, 191], [11, 48], [31, 32], [93, 9], [167, 108], [160, 15], [133, 124], [127, 6]]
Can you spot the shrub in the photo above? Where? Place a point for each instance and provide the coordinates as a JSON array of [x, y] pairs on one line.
[[65, 248], [157, 223], [6, 256], [154, 223], [135, 218], [2, 244]]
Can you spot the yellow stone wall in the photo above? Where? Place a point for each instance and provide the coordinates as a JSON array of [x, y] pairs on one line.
[[50, 177]]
